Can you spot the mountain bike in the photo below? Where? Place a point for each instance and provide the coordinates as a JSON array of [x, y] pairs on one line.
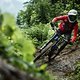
[[50, 49]]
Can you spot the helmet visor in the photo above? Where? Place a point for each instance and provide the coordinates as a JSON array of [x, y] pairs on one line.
[[72, 17]]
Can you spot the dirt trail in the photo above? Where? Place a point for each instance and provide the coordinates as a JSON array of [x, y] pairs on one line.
[[63, 64]]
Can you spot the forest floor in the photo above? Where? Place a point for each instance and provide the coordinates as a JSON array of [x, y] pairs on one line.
[[64, 63]]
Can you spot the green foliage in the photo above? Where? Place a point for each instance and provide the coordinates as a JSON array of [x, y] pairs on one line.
[[24, 16], [56, 9], [18, 49], [43, 11], [20, 19], [42, 8], [14, 40], [1, 19], [38, 33]]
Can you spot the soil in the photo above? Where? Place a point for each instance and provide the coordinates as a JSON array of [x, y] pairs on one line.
[[64, 63]]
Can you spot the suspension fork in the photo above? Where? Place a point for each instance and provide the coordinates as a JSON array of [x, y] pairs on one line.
[[55, 46], [51, 40]]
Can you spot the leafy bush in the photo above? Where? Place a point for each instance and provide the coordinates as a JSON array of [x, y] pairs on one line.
[[18, 50], [38, 33]]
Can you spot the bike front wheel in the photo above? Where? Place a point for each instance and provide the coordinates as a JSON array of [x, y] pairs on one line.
[[43, 52]]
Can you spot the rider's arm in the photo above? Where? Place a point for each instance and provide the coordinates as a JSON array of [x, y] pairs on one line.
[[75, 31], [59, 18]]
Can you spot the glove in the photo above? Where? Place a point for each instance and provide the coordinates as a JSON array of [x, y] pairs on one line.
[[52, 25]]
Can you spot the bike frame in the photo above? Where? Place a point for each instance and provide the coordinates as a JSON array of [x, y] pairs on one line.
[[51, 43]]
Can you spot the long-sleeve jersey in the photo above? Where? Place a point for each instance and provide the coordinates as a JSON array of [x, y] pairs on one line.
[[65, 25]]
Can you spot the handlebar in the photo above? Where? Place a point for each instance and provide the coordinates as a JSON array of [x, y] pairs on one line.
[[53, 26]]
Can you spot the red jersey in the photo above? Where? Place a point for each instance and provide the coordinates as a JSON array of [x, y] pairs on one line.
[[70, 26]]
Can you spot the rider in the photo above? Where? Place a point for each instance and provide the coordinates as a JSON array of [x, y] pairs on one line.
[[67, 25]]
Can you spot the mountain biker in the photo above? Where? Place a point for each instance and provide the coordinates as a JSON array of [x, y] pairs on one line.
[[67, 25]]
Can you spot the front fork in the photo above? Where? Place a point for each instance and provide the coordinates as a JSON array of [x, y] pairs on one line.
[[55, 48], [54, 37]]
